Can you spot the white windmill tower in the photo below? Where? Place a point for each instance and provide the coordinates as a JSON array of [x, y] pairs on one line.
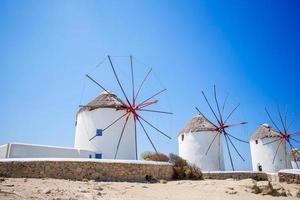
[[203, 146], [270, 147], [194, 142], [96, 118], [109, 125], [268, 155]]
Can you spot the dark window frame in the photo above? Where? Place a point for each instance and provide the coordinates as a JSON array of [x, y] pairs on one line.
[[99, 132]]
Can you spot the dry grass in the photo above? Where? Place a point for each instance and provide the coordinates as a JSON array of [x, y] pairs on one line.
[[155, 156]]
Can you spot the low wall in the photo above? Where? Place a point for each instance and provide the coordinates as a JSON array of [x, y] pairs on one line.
[[289, 176], [120, 170], [78, 169], [259, 176]]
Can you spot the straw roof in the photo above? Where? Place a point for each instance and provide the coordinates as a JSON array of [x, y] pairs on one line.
[[264, 131], [104, 100], [198, 123]]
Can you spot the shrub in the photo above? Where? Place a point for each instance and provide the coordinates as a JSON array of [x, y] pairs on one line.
[[179, 165], [184, 170], [155, 156], [193, 172], [159, 157], [146, 155]]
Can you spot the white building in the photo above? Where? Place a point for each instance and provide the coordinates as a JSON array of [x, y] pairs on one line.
[[92, 132], [194, 141], [263, 149], [20, 150]]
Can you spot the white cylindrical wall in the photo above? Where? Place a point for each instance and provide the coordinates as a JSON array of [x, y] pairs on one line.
[[295, 165], [89, 121], [264, 154], [3, 151], [193, 147]]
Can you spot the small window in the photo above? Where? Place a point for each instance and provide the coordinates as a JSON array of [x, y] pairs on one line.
[[182, 137], [98, 156], [99, 132], [256, 141], [90, 156]]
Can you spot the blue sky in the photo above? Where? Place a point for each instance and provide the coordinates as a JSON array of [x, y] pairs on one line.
[[249, 49]]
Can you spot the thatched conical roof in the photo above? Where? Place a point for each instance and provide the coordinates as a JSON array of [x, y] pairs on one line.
[[104, 100], [264, 131], [198, 123]]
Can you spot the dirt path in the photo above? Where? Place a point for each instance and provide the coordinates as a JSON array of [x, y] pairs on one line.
[[21, 188]]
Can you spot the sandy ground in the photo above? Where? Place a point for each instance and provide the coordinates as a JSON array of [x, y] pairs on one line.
[[21, 188]]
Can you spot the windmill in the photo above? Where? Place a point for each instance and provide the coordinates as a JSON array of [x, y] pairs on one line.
[[130, 112], [284, 137], [193, 141], [222, 127]]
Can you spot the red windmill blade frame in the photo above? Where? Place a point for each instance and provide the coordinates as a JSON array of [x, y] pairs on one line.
[[133, 108], [284, 135], [222, 126]]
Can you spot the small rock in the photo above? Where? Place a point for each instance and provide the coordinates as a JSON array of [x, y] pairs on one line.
[[247, 190], [98, 188], [265, 187], [230, 188], [163, 181], [84, 191], [255, 189], [9, 185], [231, 192], [2, 179], [25, 180], [294, 192], [278, 190], [144, 186], [99, 194], [46, 191]]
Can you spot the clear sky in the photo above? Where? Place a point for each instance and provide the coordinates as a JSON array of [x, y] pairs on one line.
[[247, 48]]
